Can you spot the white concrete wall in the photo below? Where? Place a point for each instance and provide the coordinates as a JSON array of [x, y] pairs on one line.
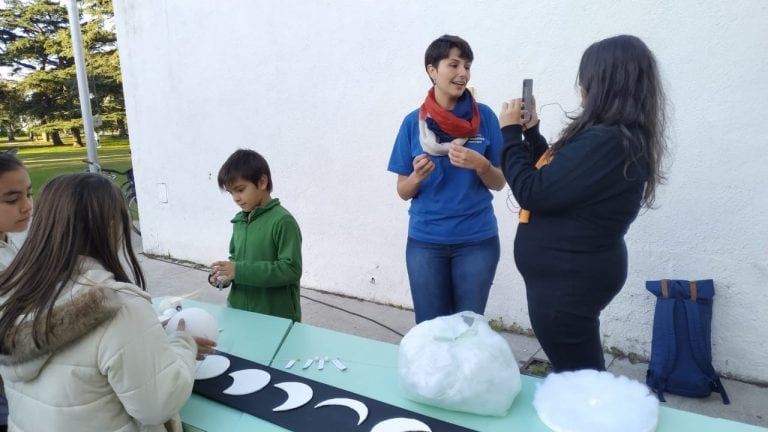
[[320, 88]]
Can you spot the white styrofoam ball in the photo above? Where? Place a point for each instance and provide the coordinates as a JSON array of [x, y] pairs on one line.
[[198, 322], [167, 314], [170, 303], [592, 401]]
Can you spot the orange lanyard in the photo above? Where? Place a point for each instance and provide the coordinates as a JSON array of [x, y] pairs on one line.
[[546, 158]]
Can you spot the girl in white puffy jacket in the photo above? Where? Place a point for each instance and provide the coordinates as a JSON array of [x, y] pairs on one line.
[[81, 347]]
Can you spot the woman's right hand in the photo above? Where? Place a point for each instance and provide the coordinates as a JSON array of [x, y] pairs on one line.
[[422, 167]]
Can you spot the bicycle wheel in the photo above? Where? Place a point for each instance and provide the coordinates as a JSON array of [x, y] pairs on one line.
[[133, 209]]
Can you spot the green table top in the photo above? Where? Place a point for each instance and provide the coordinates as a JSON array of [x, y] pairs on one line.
[[372, 371]]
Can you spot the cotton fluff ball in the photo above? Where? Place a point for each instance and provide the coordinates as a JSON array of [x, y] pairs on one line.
[[592, 401], [198, 322], [458, 362]]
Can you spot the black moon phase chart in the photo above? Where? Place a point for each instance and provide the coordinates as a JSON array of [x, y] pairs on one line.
[[300, 404]]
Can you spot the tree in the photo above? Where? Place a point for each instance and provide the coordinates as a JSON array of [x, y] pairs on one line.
[[35, 42], [11, 109], [103, 65], [32, 45]]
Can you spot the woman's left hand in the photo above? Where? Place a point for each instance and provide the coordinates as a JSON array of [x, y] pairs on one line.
[[511, 113], [465, 157]]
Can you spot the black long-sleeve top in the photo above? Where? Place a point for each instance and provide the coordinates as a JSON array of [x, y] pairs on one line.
[[584, 200]]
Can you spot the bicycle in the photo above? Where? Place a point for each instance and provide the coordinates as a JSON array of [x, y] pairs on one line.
[[129, 191]]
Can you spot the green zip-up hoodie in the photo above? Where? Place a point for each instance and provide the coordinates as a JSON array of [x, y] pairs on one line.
[[266, 250]]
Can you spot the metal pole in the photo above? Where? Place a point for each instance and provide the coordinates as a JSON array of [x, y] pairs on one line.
[[82, 85]]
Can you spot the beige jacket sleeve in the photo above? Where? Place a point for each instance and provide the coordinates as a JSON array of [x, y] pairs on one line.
[[151, 373]]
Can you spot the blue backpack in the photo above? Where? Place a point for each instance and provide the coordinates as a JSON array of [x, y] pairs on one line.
[[681, 354]]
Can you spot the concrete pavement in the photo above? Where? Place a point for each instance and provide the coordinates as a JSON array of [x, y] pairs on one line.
[[749, 403]]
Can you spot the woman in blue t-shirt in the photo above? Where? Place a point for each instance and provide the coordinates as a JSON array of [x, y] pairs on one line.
[[447, 156]]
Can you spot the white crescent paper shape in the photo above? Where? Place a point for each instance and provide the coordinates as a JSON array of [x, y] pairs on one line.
[[357, 406], [401, 424], [247, 381], [213, 366], [298, 395]]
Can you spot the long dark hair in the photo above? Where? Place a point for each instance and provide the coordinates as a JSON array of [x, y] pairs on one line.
[[9, 162], [621, 86], [76, 215]]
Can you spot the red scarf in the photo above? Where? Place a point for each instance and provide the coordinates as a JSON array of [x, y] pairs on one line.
[[448, 122]]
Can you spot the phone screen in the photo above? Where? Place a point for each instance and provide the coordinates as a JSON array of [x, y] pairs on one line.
[[527, 95]]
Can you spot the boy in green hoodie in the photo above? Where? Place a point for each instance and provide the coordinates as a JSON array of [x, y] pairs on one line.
[[264, 266]]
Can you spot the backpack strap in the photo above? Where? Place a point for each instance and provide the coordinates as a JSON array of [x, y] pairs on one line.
[[717, 386], [701, 355], [696, 335], [666, 310]]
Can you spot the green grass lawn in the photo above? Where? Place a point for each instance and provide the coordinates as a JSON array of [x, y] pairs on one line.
[[45, 161]]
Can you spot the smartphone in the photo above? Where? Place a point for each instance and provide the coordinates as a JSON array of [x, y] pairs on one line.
[[527, 95]]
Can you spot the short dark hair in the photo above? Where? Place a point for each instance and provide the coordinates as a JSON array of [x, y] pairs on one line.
[[247, 165], [441, 47]]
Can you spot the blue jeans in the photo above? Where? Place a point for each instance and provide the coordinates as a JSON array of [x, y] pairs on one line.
[[446, 279]]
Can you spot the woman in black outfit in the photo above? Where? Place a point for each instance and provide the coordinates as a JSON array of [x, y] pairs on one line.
[[581, 194]]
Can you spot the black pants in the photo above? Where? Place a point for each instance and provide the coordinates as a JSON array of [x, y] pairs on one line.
[[565, 297], [3, 408]]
